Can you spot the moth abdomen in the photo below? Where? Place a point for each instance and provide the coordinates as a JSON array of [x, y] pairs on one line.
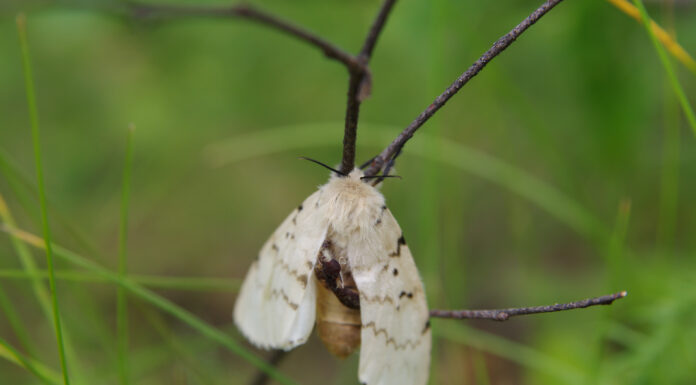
[[338, 326], [338, 302]]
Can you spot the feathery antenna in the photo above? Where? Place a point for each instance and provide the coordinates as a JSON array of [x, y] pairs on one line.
[[326, 166]]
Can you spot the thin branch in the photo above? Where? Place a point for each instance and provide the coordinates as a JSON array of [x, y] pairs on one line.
[[152, 11], [497, 48], [360, 86], [505, 314], [274, 360], [377, 26]]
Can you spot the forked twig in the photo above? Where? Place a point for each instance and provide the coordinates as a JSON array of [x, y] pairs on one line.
[[505, 314], [359, 87], [498, 47], [152, 11]]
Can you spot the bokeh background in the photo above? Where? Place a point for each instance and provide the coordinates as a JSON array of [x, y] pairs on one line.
[[564, 170]]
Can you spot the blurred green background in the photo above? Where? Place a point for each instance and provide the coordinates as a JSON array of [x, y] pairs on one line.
[[564, 170]]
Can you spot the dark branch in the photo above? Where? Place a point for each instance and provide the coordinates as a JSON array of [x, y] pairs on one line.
[[360, 86], [498, 47], [505, 314], [261, 377], [152, 11]]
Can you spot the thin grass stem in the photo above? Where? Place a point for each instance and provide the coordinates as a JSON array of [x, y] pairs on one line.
[[34, 118], [121, 300], [671, 74], [663, 36], [11, 354], [151, 281], [9, 312]]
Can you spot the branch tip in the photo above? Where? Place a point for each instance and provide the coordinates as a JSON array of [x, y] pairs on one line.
[[505, 314]]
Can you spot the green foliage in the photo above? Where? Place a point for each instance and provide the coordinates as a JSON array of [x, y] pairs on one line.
[[562, 171]]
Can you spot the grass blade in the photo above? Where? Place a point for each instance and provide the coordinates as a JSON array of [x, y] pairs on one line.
[[670, 43], [152, 281], [34, 118], [41, 372], [149, 296], [121, 301], [671, 75], [9, 312]]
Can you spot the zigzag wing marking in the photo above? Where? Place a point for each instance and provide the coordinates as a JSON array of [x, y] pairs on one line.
[[276, 304]]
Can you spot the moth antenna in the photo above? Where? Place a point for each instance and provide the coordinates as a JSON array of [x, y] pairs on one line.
[[322, 164]]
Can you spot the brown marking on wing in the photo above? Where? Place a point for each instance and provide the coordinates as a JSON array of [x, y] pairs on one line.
[[301, 278], [280, 293], [376, 299], [389, 339]]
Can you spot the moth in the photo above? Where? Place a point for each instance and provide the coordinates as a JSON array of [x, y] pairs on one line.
[[340, 261]]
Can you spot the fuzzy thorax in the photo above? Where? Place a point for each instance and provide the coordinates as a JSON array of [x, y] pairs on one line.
[[352, 205]]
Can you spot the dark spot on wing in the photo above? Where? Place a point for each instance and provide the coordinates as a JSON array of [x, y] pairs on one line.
[[426, 327], [379, 220], [299, 208], [274, 247], [400, 242], [396, 272], [403, 293]]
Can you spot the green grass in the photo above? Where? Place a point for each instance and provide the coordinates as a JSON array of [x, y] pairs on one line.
[[158, 301], [36, 140], [669, 69]]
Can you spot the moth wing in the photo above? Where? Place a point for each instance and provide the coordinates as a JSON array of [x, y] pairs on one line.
[[276, 305], [396, 340]]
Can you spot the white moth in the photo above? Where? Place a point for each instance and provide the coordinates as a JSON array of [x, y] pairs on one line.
[[341, 244]]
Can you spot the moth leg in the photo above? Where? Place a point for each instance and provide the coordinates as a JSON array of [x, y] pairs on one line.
[[349, 296], [330, 273]]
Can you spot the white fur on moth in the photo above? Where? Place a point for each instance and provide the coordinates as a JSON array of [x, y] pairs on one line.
[[284, 293]]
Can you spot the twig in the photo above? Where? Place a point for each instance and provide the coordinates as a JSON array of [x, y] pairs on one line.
[[359, 87], [151, 11], [274, 360], [505, 314], [497, 48]]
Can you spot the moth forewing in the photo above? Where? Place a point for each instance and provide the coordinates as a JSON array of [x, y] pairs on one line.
[[276, 305]]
